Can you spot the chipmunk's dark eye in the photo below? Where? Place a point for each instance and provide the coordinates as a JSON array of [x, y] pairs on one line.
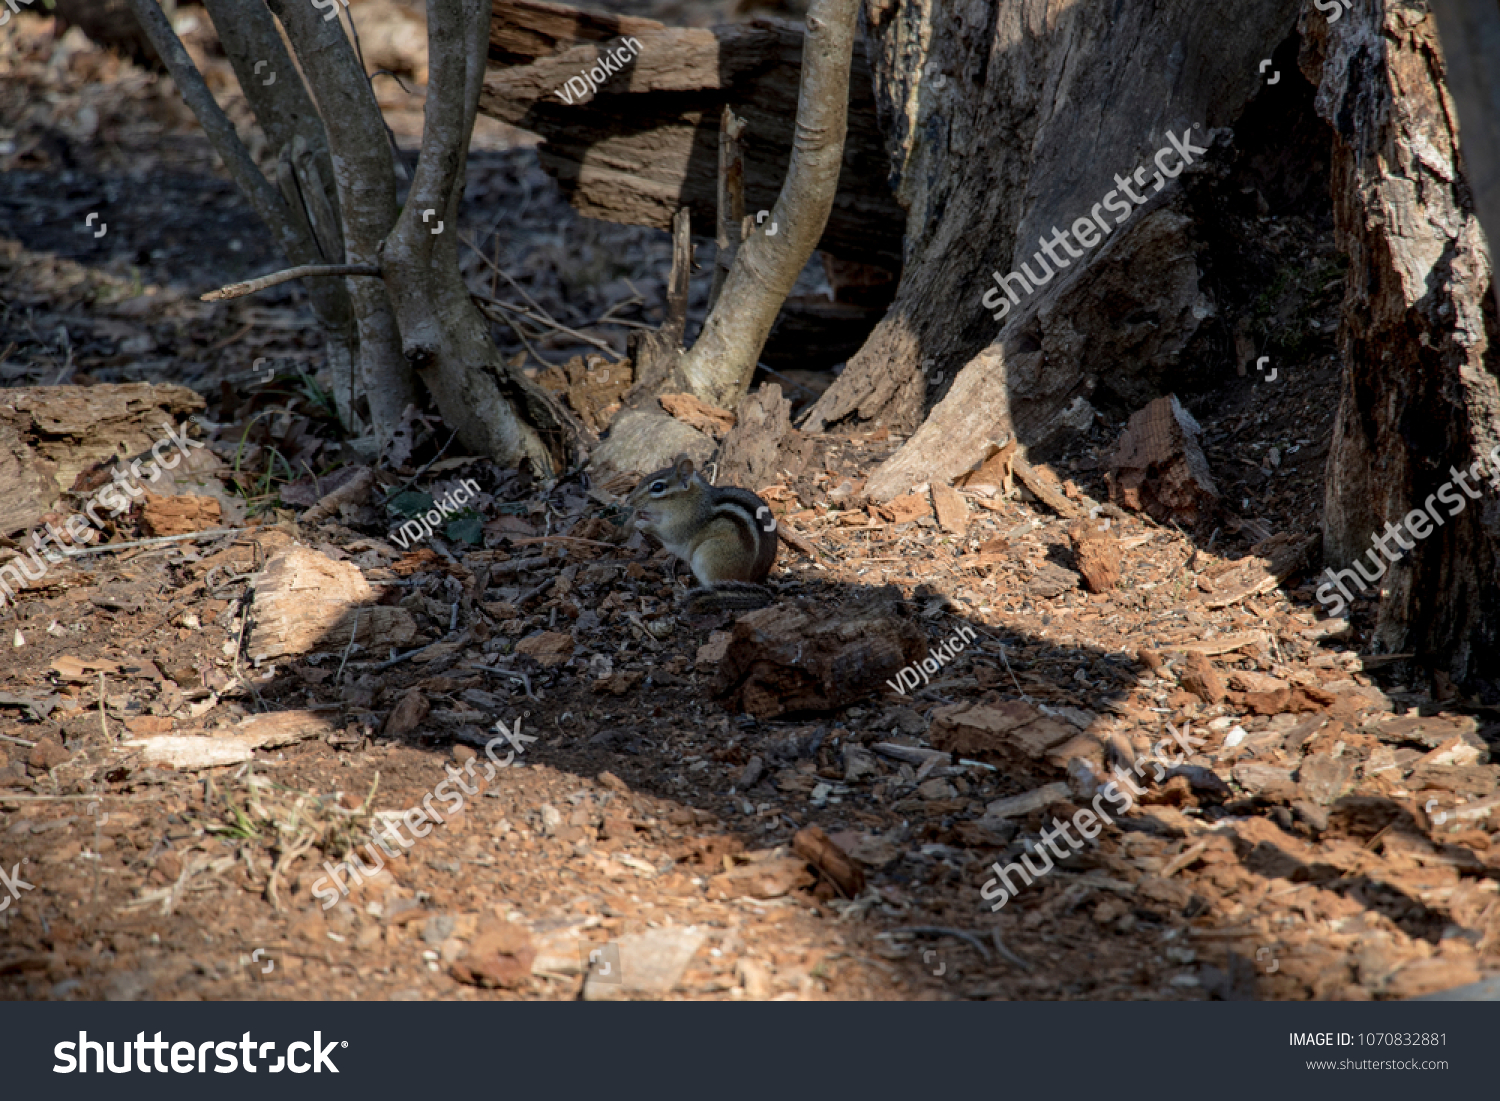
[[658, 486]]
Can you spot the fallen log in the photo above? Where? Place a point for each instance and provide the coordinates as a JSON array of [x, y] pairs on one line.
[[49, 435], [646, 143]]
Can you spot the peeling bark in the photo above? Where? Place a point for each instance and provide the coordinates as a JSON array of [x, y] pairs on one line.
[[1419, 396], [1005, 121]]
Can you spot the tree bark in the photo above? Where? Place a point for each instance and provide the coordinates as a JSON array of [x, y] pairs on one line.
[[365, 177], [646, 144], [1419, 397], [443, 335], [1004, 122], [719, 365]]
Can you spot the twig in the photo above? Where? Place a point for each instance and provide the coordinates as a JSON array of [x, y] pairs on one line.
[[1006, 952], [532, 594], [305, 271], [353, 634], [103, 722], [108, 547], [529, 316], [564, 538], [441, 451], [245, 330], [943, 931], [506, 276], [522, 677], [505, 317], [399, 658], [17, 741]]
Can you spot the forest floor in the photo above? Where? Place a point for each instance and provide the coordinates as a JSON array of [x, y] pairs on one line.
[[1330, 836]]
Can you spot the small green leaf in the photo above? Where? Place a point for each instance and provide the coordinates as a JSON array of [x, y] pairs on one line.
[[470, 529], [412, 503]]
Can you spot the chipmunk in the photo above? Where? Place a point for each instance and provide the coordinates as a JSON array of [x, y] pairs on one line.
[[727, 536]]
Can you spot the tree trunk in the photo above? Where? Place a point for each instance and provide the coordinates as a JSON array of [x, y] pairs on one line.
[[1008, 120], [1419, 398]]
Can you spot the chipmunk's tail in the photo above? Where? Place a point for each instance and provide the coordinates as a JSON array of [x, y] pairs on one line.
[[725, 596]]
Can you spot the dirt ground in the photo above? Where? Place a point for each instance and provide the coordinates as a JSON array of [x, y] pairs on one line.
[[1329, 838]]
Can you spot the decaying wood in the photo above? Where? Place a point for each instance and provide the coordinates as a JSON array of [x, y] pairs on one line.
[[657, 355], [1419, 396], [306, 601], [997, 469], [1097, 554], [984, 107], [647, 143], [1002, 730], [1159, 467], [49, 435], [524, 30], [1043, 487], [815, 847], [236, 744], [783, 660], [699, 414], [952, 513], [1271, 563], [1471, 42], [178, 515], [763, 448], [732, 228]]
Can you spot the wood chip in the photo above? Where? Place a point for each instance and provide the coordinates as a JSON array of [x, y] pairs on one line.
[[952, 513]]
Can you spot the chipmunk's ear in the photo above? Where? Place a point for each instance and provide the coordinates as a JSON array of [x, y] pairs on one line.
[[683, 469]]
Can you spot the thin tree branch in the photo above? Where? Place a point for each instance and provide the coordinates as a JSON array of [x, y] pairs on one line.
[[240, 290], [221, 133], [721, 362], [601, 345], [731, 199], [507, 277]]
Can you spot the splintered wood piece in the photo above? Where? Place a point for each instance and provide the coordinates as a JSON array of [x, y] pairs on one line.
[[784, 660], [1199, 677], [698, 413], [1097, 553], [815, 847], [190, 752], [1159, 467], [763, 448], [952, 513], [1044, 488], [1272, 562], [179, 515], [305, 600], [1011, 729], [996, 469]]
